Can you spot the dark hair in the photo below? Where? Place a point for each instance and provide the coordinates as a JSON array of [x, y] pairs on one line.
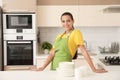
[[69, 14]]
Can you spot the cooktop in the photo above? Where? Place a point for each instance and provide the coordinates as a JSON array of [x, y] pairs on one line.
[[108, 60]]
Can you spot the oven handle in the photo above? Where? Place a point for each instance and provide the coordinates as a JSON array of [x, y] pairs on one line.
[[19, 42]]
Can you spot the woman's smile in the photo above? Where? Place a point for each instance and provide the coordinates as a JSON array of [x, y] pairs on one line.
[[67, 22]]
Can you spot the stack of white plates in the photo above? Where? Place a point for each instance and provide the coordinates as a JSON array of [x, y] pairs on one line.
[[66, 69]]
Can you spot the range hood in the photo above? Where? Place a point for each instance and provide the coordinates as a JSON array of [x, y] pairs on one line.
[[112, 9]]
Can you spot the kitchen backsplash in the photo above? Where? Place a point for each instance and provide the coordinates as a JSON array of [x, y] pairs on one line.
[[95, 36]]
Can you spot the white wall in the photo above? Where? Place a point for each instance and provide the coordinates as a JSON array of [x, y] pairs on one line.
[[101, 36], [95, 36]]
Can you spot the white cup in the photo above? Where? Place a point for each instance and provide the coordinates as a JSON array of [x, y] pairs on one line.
[[81, 72]]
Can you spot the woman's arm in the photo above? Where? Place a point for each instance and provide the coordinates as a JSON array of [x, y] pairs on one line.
[[48, 60], [87, 57]]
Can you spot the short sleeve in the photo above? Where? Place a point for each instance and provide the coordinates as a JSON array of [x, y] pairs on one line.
[[78, 38]]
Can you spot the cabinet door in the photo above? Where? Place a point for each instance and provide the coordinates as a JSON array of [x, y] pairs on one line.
[[19, 5], [57, 2], [98, 2], [90, 15], [40, 62], [49, 16]]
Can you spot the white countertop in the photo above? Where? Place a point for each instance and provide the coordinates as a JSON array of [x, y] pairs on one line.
[[41, 56], [52, 75], [96, 60]]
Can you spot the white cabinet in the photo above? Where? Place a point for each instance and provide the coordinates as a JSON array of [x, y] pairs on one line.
[[95, 16], [19, 5], [49, 16], [40, 62], [84, 15]]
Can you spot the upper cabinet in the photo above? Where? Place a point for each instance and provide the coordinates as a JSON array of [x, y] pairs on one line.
[[49, 11], [57, 2], [99, 15], [19, 5], [99, 2], [78, 2], [85, 12], [49, 16], [84, 15]]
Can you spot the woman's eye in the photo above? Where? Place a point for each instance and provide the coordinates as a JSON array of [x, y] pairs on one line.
[[68, 20], [63, 21]]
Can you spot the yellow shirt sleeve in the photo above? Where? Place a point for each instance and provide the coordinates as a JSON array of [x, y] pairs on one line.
[[75, 39], [78, 38]]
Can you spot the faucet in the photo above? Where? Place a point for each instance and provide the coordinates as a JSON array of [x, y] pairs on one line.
[[85, 44]]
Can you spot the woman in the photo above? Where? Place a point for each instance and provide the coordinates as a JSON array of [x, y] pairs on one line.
[[66, 45]]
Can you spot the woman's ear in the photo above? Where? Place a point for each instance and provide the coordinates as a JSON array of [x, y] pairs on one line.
[[73, 21]]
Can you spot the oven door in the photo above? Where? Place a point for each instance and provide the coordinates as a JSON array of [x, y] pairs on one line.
[[19, 53]]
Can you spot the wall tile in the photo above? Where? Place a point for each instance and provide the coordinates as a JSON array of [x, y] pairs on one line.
[[95, 36]]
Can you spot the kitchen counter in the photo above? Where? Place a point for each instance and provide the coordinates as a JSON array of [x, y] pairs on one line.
[[40, 56], [81, 61], [52, 75]]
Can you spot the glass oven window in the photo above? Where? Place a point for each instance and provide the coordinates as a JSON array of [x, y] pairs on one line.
[[19, 21], [20, 53]]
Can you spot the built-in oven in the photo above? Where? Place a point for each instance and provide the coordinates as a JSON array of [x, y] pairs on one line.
[[19, 22], [19, 53]]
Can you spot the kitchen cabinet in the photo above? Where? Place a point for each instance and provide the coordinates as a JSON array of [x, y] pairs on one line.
[[57, 2], [19, 5], [49, 16], [40, 62], [98, 2], [81, 2], [84, 16], [96, 16]]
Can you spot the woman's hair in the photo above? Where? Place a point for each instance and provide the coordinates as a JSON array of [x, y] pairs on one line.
[[69, 14]]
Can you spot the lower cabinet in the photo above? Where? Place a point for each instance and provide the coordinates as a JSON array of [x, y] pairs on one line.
[[40, 62]]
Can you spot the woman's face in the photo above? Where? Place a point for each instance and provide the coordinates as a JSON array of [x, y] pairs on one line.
[[67, 22]]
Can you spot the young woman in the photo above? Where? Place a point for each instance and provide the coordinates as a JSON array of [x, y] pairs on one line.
[[66, 45]]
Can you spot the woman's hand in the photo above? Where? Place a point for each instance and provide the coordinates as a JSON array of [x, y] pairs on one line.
[[100, 71], [36, 69]]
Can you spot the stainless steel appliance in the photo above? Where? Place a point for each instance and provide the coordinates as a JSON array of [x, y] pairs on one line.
[[111, 61], [19, 51], [19, 31], [1, 42], [19, 22]]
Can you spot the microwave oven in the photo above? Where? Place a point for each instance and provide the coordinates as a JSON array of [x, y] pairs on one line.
[[19, 23]]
